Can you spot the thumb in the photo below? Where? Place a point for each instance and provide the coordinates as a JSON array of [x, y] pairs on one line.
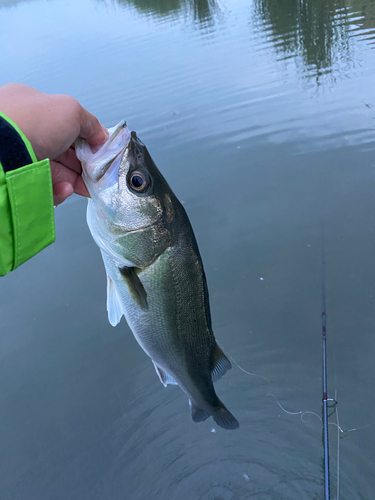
[[91, 129]]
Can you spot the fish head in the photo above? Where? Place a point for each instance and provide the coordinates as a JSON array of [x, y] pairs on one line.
[[141, 188], [131, 203]]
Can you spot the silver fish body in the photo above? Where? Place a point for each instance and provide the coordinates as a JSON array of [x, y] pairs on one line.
[[155, 275]]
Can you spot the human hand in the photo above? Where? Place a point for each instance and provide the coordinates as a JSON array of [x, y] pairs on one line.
[[52, 123]]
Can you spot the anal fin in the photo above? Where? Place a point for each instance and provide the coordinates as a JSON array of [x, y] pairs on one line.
[[197, 414], [222, 364], [164, 377]]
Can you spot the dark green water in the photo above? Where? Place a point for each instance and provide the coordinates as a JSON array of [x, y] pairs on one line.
[[261, 116]]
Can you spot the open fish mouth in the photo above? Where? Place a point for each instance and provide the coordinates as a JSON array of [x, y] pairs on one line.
[[96, 165]]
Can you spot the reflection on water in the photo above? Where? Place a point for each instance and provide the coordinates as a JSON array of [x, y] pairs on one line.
[[309, 28], [202, 10], [12, 3], [318, 31]]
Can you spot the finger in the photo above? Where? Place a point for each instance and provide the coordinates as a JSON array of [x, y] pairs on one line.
[[91, 129], [95, 148], [70, 160], [80, 187], [61, 191], [61, 173]]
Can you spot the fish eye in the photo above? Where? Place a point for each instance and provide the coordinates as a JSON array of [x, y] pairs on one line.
[[139, 181]]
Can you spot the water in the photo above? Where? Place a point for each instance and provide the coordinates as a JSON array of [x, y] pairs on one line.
[[261, 116]]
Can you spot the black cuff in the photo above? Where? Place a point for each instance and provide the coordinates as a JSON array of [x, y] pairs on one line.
[[13, 151]]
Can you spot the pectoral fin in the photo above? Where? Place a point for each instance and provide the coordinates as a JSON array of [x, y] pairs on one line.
[[164, 377], [113, 303], [222, 364], [135, 287]]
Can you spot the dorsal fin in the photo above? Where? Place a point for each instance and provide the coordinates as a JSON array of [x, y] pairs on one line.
[[222, 364], [135, 287]]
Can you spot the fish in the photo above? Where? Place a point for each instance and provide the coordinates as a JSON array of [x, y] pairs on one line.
[[155, 274]]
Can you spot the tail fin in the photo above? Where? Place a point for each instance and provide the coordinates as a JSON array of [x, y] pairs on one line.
[[222, 416], [225, 419]]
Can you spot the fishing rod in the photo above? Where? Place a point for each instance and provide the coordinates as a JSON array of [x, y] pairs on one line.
[[325, 389]]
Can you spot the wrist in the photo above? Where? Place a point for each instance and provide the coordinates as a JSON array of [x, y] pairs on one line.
[[15, 149]]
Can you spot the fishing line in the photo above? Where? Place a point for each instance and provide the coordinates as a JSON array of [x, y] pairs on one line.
[[327, 403], [331, 403], [301, 412]]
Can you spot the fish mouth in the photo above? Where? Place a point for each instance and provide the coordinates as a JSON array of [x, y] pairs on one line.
[[132, 138], [117, 131], [114, 148]]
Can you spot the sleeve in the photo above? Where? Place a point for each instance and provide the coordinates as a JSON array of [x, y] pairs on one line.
[[27, 223]]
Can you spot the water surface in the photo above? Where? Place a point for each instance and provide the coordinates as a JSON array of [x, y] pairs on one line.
[[261, 116]]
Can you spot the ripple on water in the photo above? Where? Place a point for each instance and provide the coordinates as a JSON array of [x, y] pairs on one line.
[[156, 450]]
